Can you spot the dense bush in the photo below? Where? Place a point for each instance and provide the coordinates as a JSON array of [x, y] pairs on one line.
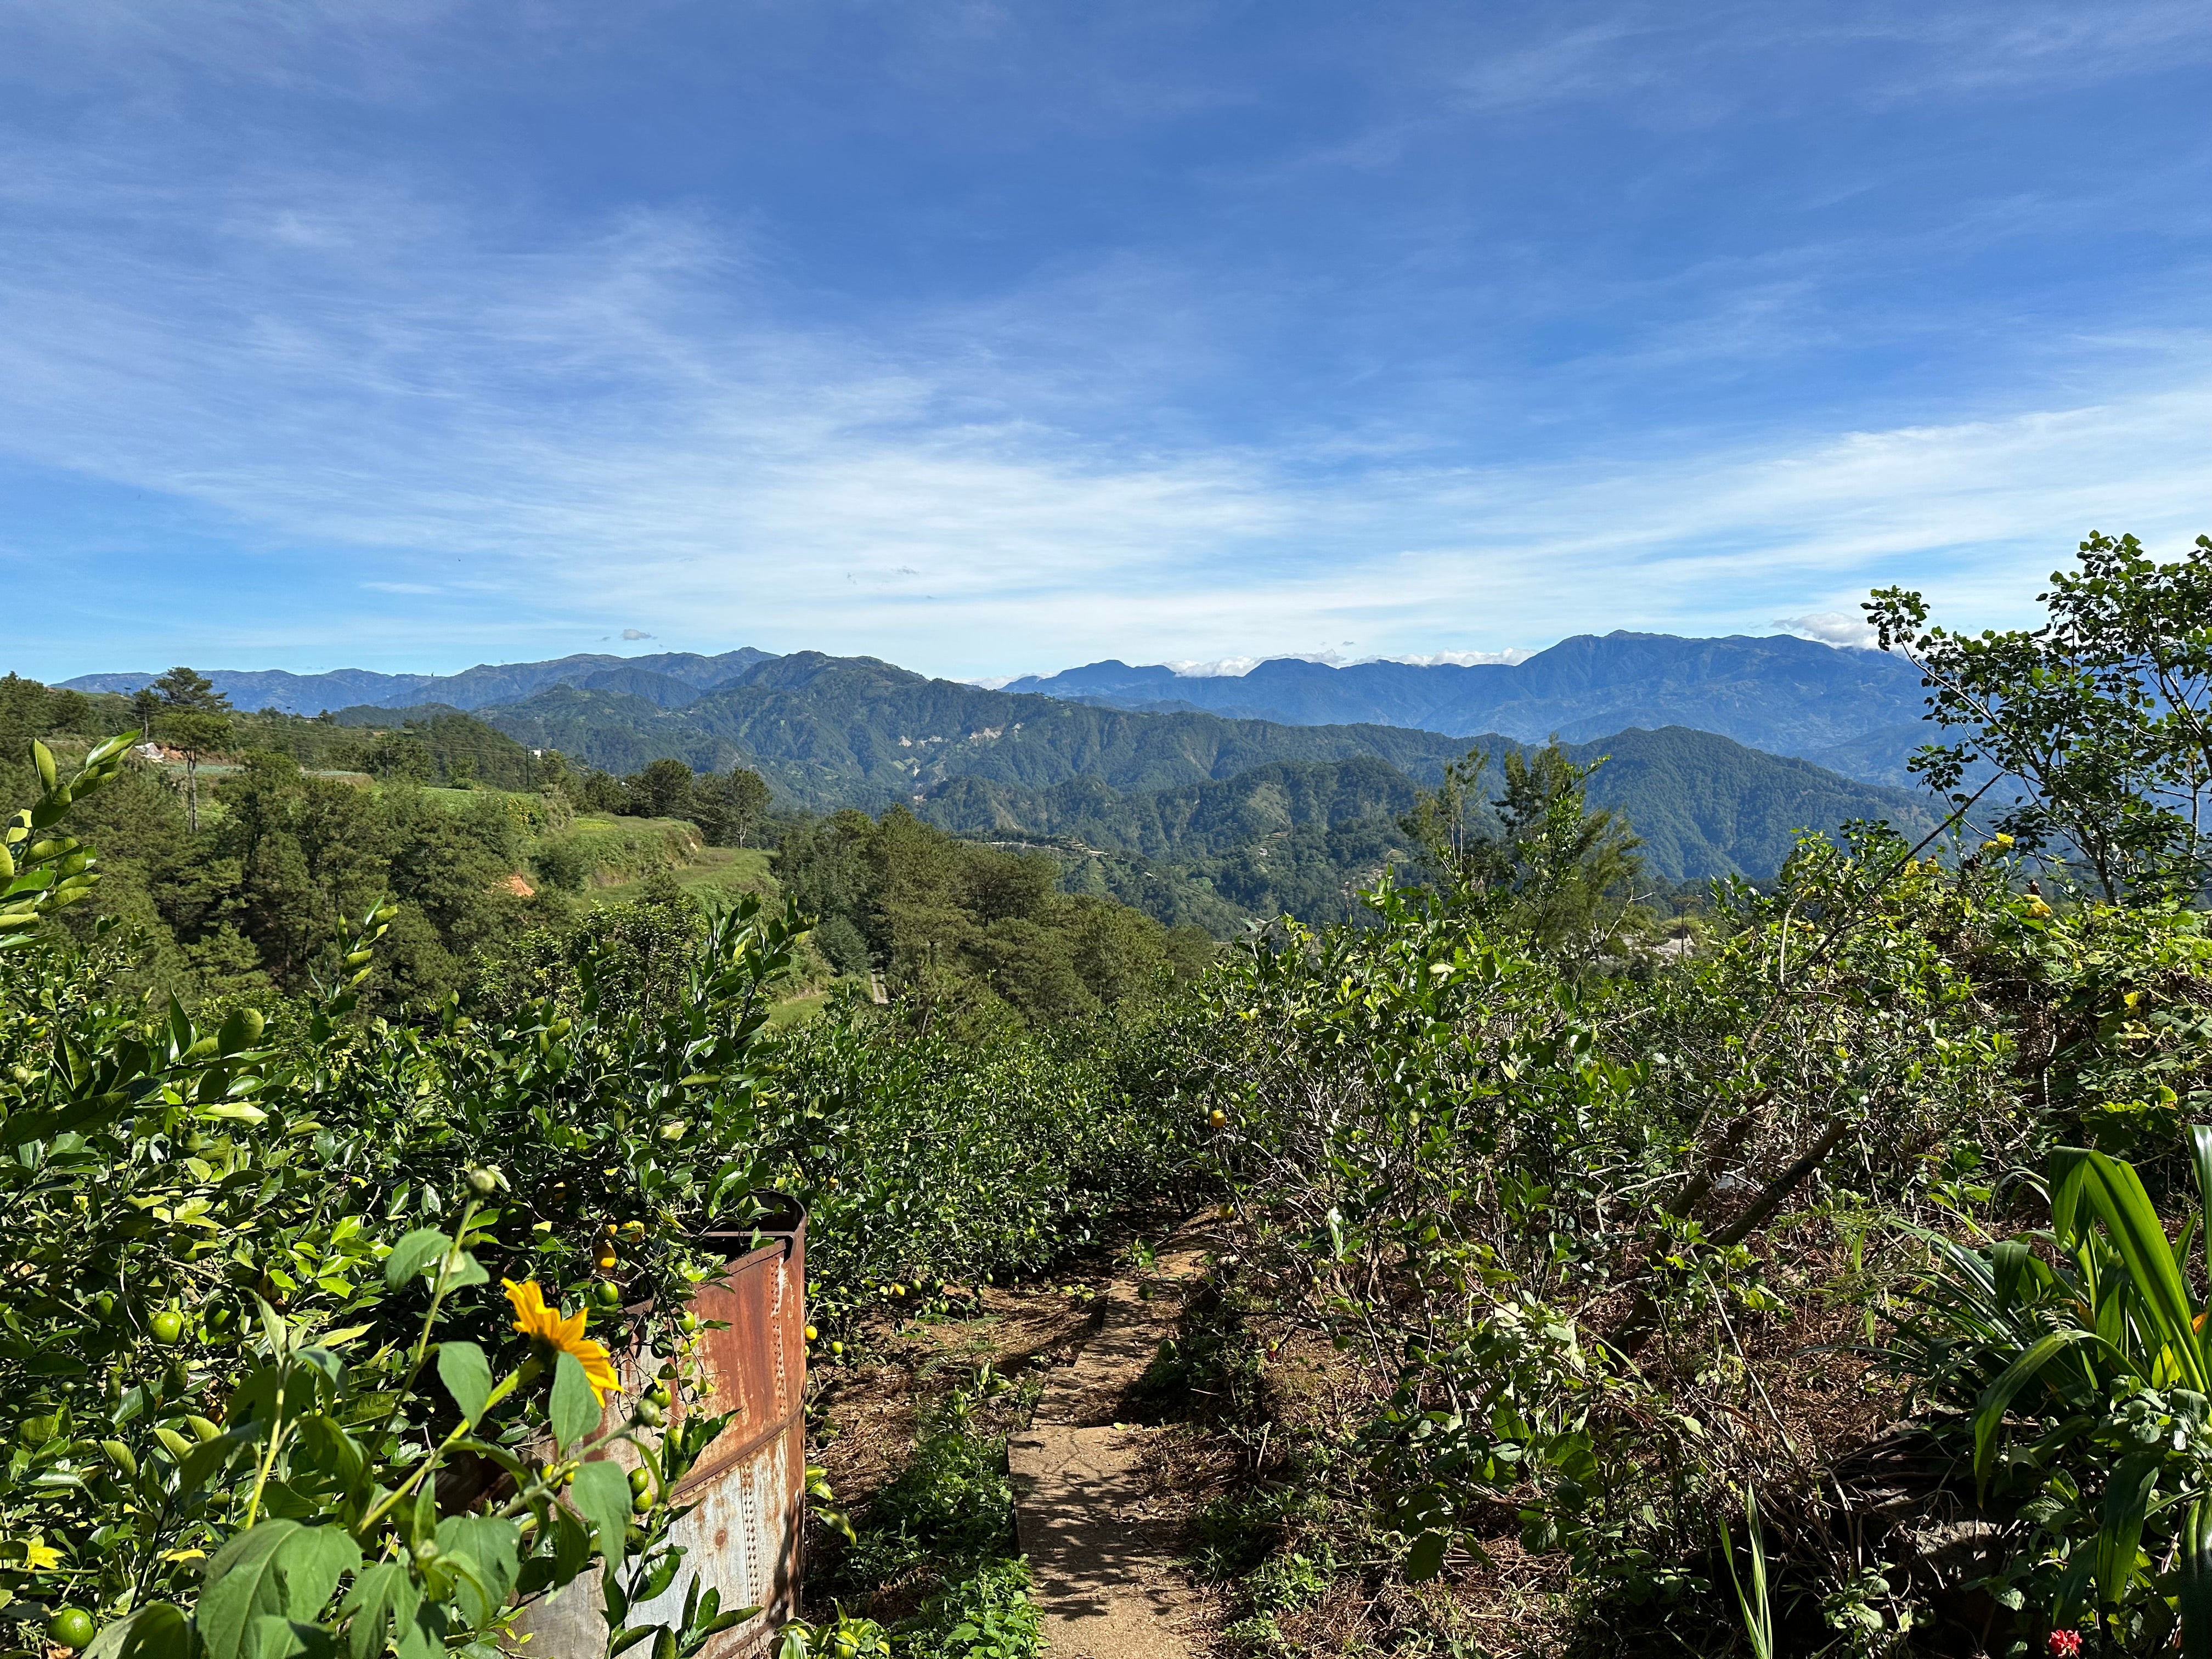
[[259, 1396], [1595, 1247]]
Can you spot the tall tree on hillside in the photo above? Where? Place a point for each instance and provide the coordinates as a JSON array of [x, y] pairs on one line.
[[1540, 858], [730, 808], [2103, 715], [194, 719], [663, 790]]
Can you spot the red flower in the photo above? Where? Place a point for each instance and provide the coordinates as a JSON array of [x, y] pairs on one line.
[[2065, 1643]]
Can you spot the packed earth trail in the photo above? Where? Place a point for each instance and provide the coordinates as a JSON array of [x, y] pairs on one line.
[[1106, 1580]]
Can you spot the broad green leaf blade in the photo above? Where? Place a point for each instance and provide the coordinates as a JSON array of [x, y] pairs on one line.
[[2119, 1531], [311, 1561], [572, 1545], [2193, 1571], [2008, 1258], [601, 1495], [466, 1374], [156, 1631], [2116, 1194], [242, 1583], [2066, 1174], [489, 1543], [1997, 1398], [382, 1596], [412, 1254], [2200, 1155], [575, 1407], [1426, 1558]]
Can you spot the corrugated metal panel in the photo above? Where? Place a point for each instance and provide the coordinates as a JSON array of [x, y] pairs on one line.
[[747, 1489]]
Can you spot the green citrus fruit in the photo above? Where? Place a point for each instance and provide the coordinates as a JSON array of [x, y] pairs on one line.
[[639, 1481], [168, 1327], [71, 1628], [608, 1292]]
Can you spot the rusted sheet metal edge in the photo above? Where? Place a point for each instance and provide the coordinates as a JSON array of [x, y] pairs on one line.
[[704, 1470]]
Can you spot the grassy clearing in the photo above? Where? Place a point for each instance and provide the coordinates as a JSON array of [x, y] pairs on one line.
[[794, 1009], [711, 872]]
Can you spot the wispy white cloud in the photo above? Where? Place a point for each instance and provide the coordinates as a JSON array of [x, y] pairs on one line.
[[343, 368], [1217, 668], [1510, 655], [1837, 628], [629, 411]]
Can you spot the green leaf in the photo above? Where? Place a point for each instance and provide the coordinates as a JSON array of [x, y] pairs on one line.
[[466, 1374], [1997, 1398], [242, 1029], [572, 1545], [270, 1638], [575, 1407], [1426, 1558], [156, 1631], [2119, 1533], [311, 1561], [2010, 1259], [412, 1254], [2116, 1192], [2194, 1569], [601, 1495], [463, 1271], [242, 1583], [490, 1544], [383, 1595]]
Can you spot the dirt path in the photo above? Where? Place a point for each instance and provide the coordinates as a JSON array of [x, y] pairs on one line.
[[1106, 1583]]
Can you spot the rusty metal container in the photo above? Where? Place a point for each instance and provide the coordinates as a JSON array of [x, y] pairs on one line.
[[747, 1489]]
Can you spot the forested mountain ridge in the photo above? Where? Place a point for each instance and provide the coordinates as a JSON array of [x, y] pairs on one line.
[[855, 732], [1192, 816], [1184, 788], [1294, 836], [1785, 695], [668, 679]]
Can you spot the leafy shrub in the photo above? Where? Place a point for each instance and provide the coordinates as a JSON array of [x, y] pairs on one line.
[[2082, 1351], [259, 1397], [945, 1523], [986, 1615]]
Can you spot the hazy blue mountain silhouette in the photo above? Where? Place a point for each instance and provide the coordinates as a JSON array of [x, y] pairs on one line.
[[663, 679], [1785, 695]]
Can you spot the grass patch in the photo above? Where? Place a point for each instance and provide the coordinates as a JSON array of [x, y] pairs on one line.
[[939, 1539], [708, 873], [791, 1010]]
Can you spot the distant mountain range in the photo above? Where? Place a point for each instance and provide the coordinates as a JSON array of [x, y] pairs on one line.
[[669, 680], [1209, 814], [1787, 695], [1182, 786], [1855, 712]]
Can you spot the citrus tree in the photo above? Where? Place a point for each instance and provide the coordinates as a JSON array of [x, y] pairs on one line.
[[261, 1394]]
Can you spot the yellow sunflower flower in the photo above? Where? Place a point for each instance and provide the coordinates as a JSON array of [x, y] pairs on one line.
[[542, 1324]]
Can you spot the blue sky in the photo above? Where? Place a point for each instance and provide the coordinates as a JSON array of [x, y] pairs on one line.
[[407, 334]]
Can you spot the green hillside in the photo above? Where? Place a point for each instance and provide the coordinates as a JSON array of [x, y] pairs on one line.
[[1270, 810], [1302, 837], [852, 731]]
